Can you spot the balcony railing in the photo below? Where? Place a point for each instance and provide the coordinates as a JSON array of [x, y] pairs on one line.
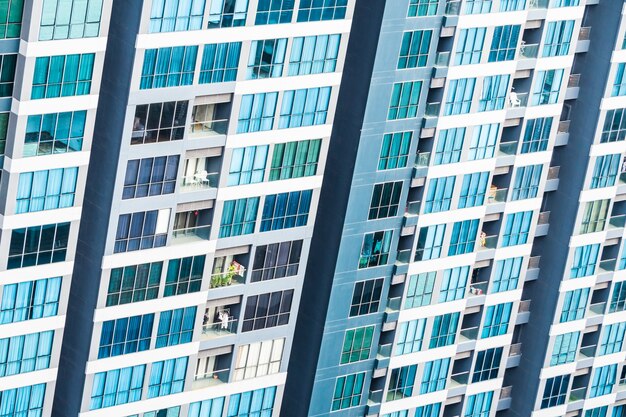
[[442, 59], [518, 99], [563, 126], [471, 333], [553, 173], [588, 351], [529, 51], [508, 148], [515, 350], [452, 8], [505, 392], [404, 256], [422, 159], [191, 233], [394, 304], [462, 378], [384, 351], [598, 308], [543, 218], [497, 196], [524, 306], [574, 80], [228, 278], [376, 397], [225, 327], [617, 221], [211, 378], [533, 262], [608, 264], [578, 394], [208, 128], [199, 181], [585, 33], [488, 242], [478, 288], [413, 208], [432, 109]]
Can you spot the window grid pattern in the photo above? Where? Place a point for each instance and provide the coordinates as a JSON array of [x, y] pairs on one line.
[[449, 146], [435, 375], [404, 100], [30, 300], [496, 322], [46, 190], [125, 335], [168, 67], [134, 283], [137, 231], [176, 327], [257, 112], [295, 159], [176, 15], [25, 353], [536, 135], [286, 210], [507, 274], [394, 152], [422, 8], [267, 58], [38, 245], [439, 195], [385, 200], [366, 297], [247, 165], [375, 249], [184, 275], [68, 19], [527, 180], [267, 310], [357, 344], [159, 122], [255, 403], [504, 43], [565, 348], [61, 76], [459, 98], [614, 128], [304, 107], [401, 382], [150, 176], [316, 10], [410, 336], [314, 54], [277, 260], [124, 386], [271, 12], [219, 63], [420, 290], [414, 49], [11, 19], [444, 330], [167, 377], [239, 217], [487, 364]]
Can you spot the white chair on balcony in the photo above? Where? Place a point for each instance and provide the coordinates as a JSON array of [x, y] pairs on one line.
[[514, 99], [191, 181], [202, 177]]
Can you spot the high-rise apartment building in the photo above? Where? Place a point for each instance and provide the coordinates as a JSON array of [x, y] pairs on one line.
[[238, 208]]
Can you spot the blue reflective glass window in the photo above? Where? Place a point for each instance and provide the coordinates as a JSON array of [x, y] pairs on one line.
[[168, 67]]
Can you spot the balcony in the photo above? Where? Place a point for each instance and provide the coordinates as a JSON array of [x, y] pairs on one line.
[[588, 351], [403, 257], [209, 116], [617, 222], [538, 4], [543, 223], [578, 394], [574, 81], [487, 242], [208, 128], [234, 275], [199, 181], [597, 309], [211, 379], [225, 327], [191, 234], [394, 305], [607, 265], [508, 148], [585, 33], [562, 133], [552, 181], [456, 380], [497, 195], [518, 99], [442, 59], [453, 8], [528, 51], [478, 288], [515, 350], [469, 334]]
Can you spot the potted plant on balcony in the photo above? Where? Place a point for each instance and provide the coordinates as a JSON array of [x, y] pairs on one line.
[[224, 279]]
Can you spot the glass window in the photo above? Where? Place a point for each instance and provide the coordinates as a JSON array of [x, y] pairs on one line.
[[150, 176], [227, 13], [375, 249], [558, 38], [23, 401], [314, 54], [168, 67], [469, 47], [184, 275], [439, 194], [286, 210], [11, 18], [25, 353], [507, 274], [267, 310], [574, 305], [444, 330], [38, 245], [414, 49], [449, 146], [46, 190], [619, 85], [564, 3], [612, 339], [134, 283], [420, 290], [594, 216], [141, 230], [487, 364], [614, 128], [401, 383], [219, 63], [30, 300], [276, 260], [597, 412], [517, 228], [206, 408], [61, 76], [176, 15], [4, 125], [259, 402], [584, 263], [555, 391], [175, 327], [357, 344], [315, 10], [494, 92], [348, 389], [536, 135], [527, 180], [385, 200], [70, 19], [239, 217], [464, 235], [394, 152], [125, 335], [496, 320], [410, 336], [459, 98], [618, 298], [366, 297], [504, 43], [295, 159], [257, 112], [404, 100], [267, 58], [454, 284], [159, 122], [258, 359], [247, 165], [512, 5], [430, 242], [547, 87], [270, 12], [54, 133], [565, 348], [435, 375], [478, 6], [422, 7], [473, 189], [123, 386], [605, 170], [167, 377], [479, 405], [305, 107], [603, 380]]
